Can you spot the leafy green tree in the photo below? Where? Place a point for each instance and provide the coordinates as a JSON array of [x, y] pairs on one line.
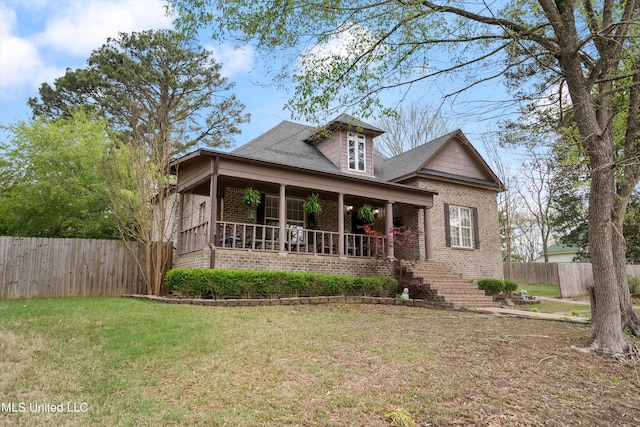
[[151, 83], [632, 229], [571, 222], [56, 187], [163, 95], [536, 45]]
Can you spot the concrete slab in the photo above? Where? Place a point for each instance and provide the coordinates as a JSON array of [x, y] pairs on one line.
[[532, 314]]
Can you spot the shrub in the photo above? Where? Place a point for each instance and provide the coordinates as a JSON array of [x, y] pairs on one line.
[[197, 282], [491, 286], [497, 286], [189, 281], [509, 286]]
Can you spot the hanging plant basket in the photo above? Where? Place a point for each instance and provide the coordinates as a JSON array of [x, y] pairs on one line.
[[312, 205], [365, 214], [251, 197]]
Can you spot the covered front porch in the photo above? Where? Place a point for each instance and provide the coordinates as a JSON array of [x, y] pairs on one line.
[[212, 215]]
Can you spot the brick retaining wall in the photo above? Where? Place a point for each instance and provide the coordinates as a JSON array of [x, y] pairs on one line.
[[292, 301]]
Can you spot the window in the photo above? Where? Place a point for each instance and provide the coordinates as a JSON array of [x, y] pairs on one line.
[[295, 211], [202, 213], [356, 152], [461, 227]]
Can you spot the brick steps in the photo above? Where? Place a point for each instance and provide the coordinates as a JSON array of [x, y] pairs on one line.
[[446, 287]]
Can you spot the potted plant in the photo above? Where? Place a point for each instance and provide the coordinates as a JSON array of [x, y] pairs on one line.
[[365, 214], [251, 197], [312, 208], [312, 205]]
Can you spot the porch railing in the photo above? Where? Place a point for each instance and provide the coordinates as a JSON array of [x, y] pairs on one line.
[[194, 238], [258, 237]]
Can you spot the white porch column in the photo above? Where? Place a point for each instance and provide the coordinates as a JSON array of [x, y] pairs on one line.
[[341, 224], [428, 237], [390, 254], [283, 216]]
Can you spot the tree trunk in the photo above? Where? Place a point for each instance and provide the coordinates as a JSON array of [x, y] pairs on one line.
[[148, 252], [607, 331]]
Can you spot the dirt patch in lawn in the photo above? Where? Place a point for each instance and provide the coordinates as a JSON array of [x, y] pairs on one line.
[[443, 368], [465, 369]]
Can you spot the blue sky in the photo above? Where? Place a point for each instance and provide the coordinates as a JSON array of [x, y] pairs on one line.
[[39, 39]]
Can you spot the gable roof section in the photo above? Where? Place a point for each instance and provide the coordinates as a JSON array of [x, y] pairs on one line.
[[352, 122], [432, 160], [409, 162]]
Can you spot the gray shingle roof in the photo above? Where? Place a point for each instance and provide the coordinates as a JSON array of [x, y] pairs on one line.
[[289, 144], [353, 122], [412, 160], [285, 144]]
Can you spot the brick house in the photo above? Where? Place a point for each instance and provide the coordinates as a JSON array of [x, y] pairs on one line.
[[443, 190]]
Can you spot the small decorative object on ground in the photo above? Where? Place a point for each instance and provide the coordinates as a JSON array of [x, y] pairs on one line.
[[523, 295], [405, 293]]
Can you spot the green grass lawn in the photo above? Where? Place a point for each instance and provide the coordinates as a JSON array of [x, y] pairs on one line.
[[540, 290], [549, 290], [122, 362], [546, 306]]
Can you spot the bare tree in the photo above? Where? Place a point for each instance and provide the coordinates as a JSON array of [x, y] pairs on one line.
[[506, 201], [536, 189], [411, 126]]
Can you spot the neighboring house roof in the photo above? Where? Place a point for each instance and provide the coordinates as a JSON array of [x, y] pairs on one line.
[[560, 249]]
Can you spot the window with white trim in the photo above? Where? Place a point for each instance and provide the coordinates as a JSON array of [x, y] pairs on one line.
[[460, 227], [357, 154]]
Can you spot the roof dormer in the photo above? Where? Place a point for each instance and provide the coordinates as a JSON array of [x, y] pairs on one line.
[[348, 144]]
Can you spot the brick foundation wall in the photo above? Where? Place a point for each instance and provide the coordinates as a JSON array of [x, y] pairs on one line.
[[193, 259], [247, 260]]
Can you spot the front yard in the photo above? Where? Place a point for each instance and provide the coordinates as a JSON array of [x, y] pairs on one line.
[[108, 361], [577, 307]]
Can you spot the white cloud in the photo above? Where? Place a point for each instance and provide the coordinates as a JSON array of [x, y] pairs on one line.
[[233, 60], [350, 41], [34, 50], [20, 62], [82, 26]]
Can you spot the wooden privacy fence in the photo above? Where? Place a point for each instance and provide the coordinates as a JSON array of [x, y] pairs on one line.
[[573, 279], [51, 268]]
